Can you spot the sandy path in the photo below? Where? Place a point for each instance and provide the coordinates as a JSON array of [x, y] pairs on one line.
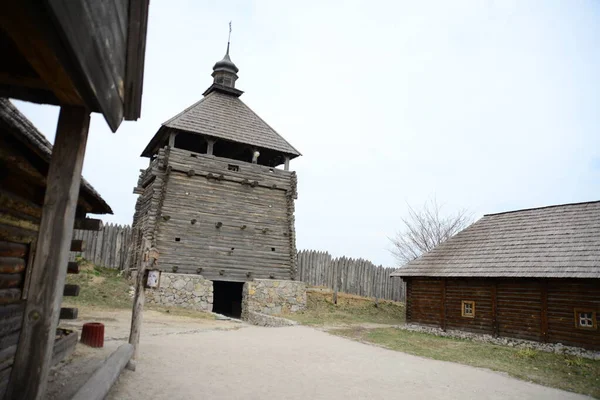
[[303, 363]]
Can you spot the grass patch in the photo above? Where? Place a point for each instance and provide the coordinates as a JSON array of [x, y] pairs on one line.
[[570, 373], [99, 287], [320, 310], [106, 288]]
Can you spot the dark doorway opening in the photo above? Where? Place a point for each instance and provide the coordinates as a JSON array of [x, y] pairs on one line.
[[227, 298]]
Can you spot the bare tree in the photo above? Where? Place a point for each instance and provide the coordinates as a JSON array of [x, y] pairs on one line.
[[425, 229]]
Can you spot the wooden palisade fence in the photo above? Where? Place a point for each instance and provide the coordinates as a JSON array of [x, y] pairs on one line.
[[359, 277], [108, 247]]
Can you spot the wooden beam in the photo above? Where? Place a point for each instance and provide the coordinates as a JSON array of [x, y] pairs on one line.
[[30, 34], [72, 267], [286, 166], [71, 290], [88, 224], [544, 314], [9, 249], [99, 384], [495, 308], [34, 353], [68, 313], [11, 265], [443, 306], [77, 245]]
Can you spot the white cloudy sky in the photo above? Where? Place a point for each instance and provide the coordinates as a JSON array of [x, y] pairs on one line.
[[487, 105]]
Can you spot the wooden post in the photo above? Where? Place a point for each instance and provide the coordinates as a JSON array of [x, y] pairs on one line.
[[287, 164], [34, 353], [149, 257], [335, 265], [210, 146], [172, 136]]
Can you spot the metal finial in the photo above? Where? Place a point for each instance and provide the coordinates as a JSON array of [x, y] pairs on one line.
[[229, 38]]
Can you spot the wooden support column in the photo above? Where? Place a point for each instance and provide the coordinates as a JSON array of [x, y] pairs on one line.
[[495, 309], [210, 146], [149, 257], [34, 353], [443, 306], [172, 136], [286, 166], [544, 315]]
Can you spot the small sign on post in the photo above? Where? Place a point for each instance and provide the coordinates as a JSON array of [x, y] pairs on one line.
[[153, 279]]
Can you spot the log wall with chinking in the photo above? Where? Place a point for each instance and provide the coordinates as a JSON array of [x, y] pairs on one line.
[[19, 223], [563, 297], [526, 308], [223, 219]]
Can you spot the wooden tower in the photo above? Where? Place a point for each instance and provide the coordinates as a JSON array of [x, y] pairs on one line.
[[212, 201]]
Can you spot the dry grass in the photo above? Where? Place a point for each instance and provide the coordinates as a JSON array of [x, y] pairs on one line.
[[106, 289], [350, 309], [570, 373]]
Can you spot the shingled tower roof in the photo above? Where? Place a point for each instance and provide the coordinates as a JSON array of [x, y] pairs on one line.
[[220, 114]]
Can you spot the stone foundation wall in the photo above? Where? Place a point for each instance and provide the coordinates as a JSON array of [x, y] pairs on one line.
[[182, 290], [273, 297]]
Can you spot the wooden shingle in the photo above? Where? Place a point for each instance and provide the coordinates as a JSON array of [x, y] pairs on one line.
[[560, 241]]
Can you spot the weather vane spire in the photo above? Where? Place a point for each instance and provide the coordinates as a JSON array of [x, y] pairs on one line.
[[229, 38]]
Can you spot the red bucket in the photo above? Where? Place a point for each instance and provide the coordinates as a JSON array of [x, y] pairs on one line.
[[93, 334]]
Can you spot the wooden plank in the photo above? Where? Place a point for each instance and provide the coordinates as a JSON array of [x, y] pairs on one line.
[[77, 245], [99, 384], [68, 313], [71, 290], [34, 354], [88, 224]]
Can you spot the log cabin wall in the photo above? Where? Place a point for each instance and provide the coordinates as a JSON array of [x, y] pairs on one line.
[[20, 214], [508, 307], [224, 219]]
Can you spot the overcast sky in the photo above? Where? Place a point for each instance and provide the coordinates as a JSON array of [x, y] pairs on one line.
[[486, 105]]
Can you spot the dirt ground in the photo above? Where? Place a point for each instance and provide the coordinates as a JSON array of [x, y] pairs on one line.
[[66, 378], [191, 358], [200, 358]]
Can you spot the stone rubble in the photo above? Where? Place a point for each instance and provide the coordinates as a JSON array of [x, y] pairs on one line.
[[557, 348]]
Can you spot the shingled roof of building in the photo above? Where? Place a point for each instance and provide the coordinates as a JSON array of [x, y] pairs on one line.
[[560, 241], [12, 121], [224, 116]]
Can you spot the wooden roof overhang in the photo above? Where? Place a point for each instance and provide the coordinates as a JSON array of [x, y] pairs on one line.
[[79, 53]]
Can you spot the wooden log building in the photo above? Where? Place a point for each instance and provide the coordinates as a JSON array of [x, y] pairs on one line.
[[212, 201], [84, 56], [530, 274]]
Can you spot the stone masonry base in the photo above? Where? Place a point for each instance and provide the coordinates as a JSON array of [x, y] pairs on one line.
[[261, 298], [182, 290]]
